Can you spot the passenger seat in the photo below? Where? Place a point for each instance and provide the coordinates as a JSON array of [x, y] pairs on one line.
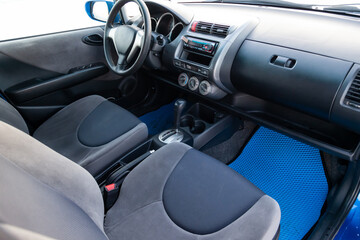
[[176, 193]]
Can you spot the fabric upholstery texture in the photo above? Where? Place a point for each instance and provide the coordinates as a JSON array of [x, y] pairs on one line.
[[139, 213], [31, 162], [11, 116], [92, 131], [45, 195], [202, 195], [105, 123], [40, 208], [60, 133], [11, 232]]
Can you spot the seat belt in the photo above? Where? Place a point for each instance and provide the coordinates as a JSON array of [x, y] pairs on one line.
[[112, 188]]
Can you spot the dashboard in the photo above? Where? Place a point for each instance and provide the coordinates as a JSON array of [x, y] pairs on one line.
[[296, 71]]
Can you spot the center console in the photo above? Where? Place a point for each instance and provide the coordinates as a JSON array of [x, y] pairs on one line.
[[203, 56], [194, 60], [196, 55], [196, 126], [204, 123]]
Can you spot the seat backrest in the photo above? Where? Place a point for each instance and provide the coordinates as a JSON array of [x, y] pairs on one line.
[[10, 115], [45, 194]]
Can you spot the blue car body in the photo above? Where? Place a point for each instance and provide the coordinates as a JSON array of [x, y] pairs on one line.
[[351, 227]]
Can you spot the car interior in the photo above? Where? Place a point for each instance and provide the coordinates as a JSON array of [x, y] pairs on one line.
[[182, 120]]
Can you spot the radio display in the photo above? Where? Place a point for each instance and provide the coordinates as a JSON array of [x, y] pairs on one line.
[[199, 45]]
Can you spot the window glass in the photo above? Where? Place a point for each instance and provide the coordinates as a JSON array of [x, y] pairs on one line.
[[24, 18]]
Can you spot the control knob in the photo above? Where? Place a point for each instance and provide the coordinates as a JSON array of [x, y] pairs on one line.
[[183, 79], [193, 83], [205, 88]]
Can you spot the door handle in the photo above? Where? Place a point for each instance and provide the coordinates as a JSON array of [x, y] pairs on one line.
[[281, 61], [93, 40]]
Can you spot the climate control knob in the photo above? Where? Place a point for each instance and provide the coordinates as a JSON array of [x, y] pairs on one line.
[[183, 79], [193, 83], [205, 88]]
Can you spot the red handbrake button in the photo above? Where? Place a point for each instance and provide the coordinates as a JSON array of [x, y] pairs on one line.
[[110, 187]]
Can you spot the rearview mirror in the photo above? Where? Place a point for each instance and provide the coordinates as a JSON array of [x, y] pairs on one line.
[[99, 10]]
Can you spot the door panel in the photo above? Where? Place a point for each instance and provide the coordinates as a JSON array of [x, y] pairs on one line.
[[42, 74], [13, 72], [57, 52], [38, 87]]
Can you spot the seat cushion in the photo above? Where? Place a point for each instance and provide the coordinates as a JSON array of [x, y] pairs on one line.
[[44, 192], [92, 132], [180, 193], [11, 116], [203, 196], [105, 123]]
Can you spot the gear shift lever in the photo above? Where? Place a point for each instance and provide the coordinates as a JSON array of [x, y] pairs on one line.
[[174, 135], [179, 107]]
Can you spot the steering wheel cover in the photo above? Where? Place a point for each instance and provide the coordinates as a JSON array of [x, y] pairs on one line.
[[146, 41]]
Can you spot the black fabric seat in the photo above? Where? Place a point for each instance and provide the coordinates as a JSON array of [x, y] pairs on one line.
[[176, 193], [181, 193], [92, 131]]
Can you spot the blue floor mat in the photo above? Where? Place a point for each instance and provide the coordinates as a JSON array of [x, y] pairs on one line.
[[290, 172], [160, 119]]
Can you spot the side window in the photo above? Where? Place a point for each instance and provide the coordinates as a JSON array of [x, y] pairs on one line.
[[25, 18]]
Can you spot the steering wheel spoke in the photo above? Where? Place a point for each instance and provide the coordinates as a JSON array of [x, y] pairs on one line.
[[111, 33], [122, 62], [138, 42], [137, 21]]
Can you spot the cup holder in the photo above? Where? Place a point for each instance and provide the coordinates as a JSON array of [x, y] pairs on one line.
[[186, 121], [199, 127], [195, 126]]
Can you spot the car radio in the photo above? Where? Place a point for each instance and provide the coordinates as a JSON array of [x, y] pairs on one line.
[[199, 45]]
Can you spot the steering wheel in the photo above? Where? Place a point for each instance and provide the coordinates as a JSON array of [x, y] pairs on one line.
[[127, 39]]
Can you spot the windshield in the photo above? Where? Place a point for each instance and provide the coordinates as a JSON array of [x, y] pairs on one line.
[[348, 7]]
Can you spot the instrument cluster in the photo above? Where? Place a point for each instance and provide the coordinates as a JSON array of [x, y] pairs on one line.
[[167, 25]]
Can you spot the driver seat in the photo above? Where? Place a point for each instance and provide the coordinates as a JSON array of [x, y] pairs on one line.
[[92, 131]]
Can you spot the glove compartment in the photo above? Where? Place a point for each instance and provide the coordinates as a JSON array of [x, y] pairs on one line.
[[304, 81]]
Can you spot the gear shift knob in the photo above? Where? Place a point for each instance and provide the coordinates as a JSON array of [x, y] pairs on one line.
[[179, 107]]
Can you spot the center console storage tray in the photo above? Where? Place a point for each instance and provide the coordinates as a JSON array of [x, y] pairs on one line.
[[129, 161], [204, 123]]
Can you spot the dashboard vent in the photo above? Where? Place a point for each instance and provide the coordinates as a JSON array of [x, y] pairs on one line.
[[220, 30], [210, 28], [203, 27], [352, 97]]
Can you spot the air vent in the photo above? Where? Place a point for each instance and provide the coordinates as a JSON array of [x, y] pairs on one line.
[[220, 30], [210, 28], [203, 27], [352, 97]]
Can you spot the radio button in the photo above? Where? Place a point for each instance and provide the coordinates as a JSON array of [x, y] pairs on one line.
[[207, 47], [177, 63], [205, 72]]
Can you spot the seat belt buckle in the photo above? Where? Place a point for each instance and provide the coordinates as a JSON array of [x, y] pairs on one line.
[[111, 194], [110, 187]]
